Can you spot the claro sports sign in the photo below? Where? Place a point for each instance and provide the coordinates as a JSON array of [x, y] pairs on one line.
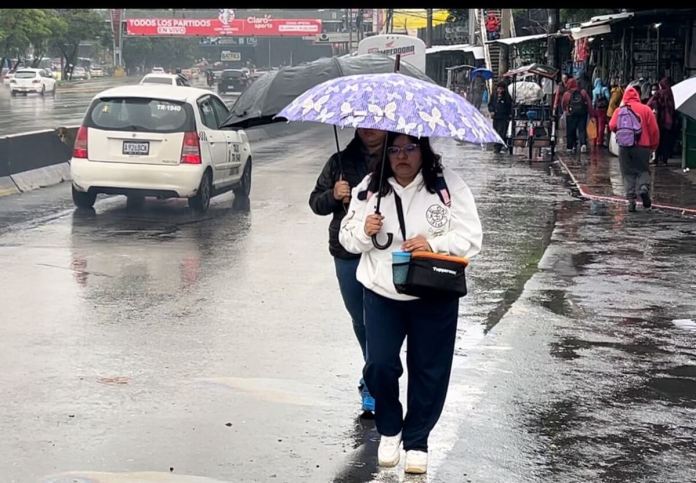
[[216, 27]]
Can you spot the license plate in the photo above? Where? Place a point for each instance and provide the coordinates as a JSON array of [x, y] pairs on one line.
[[140, 148]]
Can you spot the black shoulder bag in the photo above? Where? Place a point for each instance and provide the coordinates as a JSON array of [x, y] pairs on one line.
[[430, 275]]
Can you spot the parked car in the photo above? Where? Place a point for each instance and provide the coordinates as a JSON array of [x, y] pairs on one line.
[[159, 140], [32, 80], [232, 80], [168, 79], [96, 71], [79, 73], [7, 78]]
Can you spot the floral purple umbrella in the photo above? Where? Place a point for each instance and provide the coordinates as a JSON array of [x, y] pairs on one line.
[[392, 102]]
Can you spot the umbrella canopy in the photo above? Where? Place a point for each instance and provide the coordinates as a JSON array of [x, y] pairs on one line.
[[485, 73], [271, 92], [393, 102], [685, 97]]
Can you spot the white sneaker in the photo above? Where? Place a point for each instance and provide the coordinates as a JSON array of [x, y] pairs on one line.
[[389, 450], [583, 149], [416, 462]]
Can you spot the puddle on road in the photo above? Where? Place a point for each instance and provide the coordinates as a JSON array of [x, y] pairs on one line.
[[686, 324], [283, 391], [136, 477], [568, 346]]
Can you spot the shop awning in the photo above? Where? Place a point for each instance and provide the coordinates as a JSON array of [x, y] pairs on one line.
[[518, 40], [477, 50], [599, 25]]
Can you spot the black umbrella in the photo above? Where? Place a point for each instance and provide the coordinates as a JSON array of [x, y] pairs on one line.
[[270, 93]]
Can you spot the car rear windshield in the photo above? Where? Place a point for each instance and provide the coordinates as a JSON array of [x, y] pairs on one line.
[[157, 80], [232, 74], [25, 74], [140, 114]]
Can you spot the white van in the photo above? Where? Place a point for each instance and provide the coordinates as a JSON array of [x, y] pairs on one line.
[[412, 49]]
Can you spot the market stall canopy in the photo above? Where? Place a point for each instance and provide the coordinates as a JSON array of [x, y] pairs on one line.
[[477, 50], [598, 25], [518, 40], [535, 69], [417, 18]]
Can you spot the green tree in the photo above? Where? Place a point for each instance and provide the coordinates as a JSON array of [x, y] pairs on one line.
[[77, 25], [46, 24], [17, 28]]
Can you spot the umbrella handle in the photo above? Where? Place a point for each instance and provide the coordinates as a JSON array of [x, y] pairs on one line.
[[379, 246]]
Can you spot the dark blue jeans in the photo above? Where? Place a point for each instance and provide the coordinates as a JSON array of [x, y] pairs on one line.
[[431, 327], [352, 293]]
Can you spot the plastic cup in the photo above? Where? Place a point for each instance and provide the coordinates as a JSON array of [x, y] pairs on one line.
[[400, 262]]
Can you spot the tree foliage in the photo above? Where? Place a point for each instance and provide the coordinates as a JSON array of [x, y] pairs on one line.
[[77, 25]]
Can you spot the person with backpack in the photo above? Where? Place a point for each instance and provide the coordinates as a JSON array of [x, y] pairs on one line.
[[576, 105], [426, 207], [600, 104], [637, 136]]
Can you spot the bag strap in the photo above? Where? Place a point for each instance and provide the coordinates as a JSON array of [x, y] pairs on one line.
[[400, 214]]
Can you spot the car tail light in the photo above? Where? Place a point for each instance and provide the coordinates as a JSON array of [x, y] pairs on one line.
[[191, 149], [80, 150]]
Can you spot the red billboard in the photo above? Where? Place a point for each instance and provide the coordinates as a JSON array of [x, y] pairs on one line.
[[215, 27]]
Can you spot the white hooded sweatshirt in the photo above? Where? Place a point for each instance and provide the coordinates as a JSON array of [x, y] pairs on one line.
[[453, 231]]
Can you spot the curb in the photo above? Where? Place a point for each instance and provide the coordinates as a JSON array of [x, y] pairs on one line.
[[8, 186], [618, 199], [41, 177]]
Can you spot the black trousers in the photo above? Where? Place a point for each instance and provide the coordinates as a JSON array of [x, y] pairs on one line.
[[576, 129], [431, 329], [500, 126], [635, 170]]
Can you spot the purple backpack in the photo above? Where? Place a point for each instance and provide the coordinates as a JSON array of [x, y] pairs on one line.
[[628, 127]]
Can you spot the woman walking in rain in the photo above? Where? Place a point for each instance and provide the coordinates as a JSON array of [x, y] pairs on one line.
[[430, 224], [662, 104], [331, 196]]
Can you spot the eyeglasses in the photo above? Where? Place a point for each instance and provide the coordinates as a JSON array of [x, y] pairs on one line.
[[406, 149]]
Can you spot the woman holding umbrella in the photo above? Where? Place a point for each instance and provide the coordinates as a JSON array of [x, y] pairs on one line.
[[411, 173]]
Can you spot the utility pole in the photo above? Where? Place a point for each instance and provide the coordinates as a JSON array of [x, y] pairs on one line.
[[429, 28], [350, 30], [472, 26], [554, 15]]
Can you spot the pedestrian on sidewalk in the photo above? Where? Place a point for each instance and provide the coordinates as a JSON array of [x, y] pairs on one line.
[[576, 106], [434, 223], [331, 196], [600, 104], [638, 136], [500, 107], [662, 104]]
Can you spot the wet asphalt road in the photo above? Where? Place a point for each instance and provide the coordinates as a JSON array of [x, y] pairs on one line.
[[32, 112], [160, 346]]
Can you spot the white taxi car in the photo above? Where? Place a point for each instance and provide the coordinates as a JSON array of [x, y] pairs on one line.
[[166, 79], [32, 80], [162, 141]]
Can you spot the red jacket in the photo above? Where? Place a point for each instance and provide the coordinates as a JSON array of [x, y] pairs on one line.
[[650, 133], [571, 86]]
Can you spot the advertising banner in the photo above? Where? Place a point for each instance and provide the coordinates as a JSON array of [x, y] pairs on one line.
[[225, 26]]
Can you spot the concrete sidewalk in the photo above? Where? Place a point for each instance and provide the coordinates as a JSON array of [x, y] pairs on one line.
[[598, 177]]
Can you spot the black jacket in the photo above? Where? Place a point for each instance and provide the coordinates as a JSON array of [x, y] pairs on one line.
[[355, 164], [500, 106]]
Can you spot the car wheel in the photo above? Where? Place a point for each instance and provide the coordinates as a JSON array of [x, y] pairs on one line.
[[201, 201], [135, 202], [244, 188], [83, 199]]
